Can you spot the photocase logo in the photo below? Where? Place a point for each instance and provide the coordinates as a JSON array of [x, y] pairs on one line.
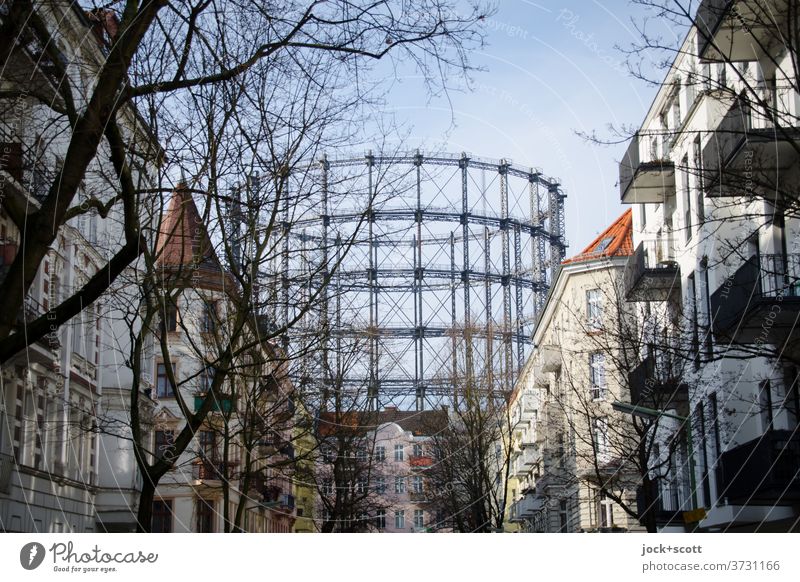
[[31, 555]]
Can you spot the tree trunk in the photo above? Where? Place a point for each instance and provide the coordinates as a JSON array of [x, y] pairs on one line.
[[144, 517]]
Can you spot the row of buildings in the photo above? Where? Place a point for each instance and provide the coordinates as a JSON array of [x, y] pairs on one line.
[[102, 406], [662, 394]]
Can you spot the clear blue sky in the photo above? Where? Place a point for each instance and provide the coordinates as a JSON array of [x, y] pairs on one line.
[[552, 71]]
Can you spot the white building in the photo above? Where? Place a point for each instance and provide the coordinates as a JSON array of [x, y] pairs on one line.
[[49, 392], [397, 453], [712, 176], [568, 443]]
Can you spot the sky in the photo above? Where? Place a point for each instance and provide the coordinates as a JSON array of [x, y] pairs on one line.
[[551, 71]]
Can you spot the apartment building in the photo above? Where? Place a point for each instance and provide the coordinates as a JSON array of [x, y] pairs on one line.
[[237, 472], [390, 459], [569, 447], [712, 178], [50, 391]]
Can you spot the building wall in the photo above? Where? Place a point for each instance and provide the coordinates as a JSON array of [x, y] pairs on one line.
[[714, 247], [555, 423]]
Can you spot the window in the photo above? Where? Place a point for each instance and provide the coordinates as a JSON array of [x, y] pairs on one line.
[[594, 310], [328, 454], [208, 324], [792, 399], [687, 197], [163, 440], [563, 516], [708, 344], [400, 519], [207, 379], [361, 455], [380, 453], [597, 376], [417, 450], [713, 410], [204, 509], [419, 519], [606, 510], [380, 519], [399, 485], [162, 516], [694, 322], [327, 487], [600, 429], [380, 485], [417, 484], [163, 385], [398, 452], [208, 444], [698, 167], [361, 485], [704, 469], [765, 401], [169, 321]]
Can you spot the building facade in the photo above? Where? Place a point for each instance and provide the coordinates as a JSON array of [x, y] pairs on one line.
[[389, 490], [569, 448], [712, 178], [51, 390]]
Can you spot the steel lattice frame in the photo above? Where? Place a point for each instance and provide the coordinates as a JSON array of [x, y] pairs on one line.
[[451, 243]]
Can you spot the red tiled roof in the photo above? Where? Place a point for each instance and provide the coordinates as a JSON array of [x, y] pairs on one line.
[[183, 239], [620, 244]]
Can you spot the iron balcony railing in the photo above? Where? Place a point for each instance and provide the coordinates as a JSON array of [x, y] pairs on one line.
[[763, 471], [764, 283]]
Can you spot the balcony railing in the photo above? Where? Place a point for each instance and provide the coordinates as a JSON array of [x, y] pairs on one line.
[[652, 386], [420, 461], [652, 274], [649, 179], [743, 153], [765, 289], [222, 403], [25, 165], [669, 500], [764, 471], [212, 471]]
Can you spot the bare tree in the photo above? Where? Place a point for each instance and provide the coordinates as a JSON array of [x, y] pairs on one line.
[[159, 59], [468, 480]]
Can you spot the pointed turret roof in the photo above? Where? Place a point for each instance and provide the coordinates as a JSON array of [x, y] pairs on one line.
[[183, 239], [615, 241]]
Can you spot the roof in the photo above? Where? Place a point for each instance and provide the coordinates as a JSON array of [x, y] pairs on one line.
[[418, 422], [183, 240], [615, 241]]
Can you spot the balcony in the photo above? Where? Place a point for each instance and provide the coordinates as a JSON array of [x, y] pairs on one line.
[[531, 456], [671, 500], [286, 502], [418, 497], [645, 181], [212, 470], [652, 387], [747, 155], [26, 175], [763, 471], [526, 508], [652, 274], [222, 403], [420, 461], [528, 408], [43, 350], [741, 30], [759, 303]]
